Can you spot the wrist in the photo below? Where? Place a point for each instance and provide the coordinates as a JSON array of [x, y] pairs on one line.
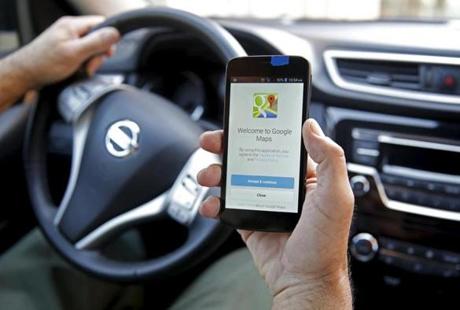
[[15, 79], [20, 67], [331, 292]]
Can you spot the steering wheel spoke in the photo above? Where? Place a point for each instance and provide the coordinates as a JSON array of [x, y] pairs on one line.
[[143, 169], [186, 194], [80, 132], [180, 203], [113, 227], [76, 106]]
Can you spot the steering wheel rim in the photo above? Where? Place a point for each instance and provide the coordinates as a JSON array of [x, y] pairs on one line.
[[206, 234]]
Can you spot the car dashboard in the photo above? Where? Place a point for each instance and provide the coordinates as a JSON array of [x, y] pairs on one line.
[[389, 93]]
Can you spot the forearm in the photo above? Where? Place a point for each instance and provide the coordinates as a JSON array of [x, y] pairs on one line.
[[15, 81], [325, 295]]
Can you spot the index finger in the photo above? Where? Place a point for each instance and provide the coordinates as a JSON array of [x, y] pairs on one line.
[[311, 168], [83, 24], [212, 141]]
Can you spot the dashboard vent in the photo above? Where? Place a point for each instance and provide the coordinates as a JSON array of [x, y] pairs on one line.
[[408, 76], [394, 74]]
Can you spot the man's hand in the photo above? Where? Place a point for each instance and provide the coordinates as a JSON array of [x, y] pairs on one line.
[[61, 49], [308, 268], [55, 55]]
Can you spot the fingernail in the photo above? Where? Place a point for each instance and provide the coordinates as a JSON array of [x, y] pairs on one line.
[[202, 136], [199, 175], [314, 126]]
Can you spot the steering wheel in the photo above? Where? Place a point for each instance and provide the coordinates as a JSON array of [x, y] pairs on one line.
[[135, 157]]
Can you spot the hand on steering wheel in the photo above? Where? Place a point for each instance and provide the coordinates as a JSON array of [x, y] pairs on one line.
[[313, 258], [63, 48], [55, 55], [135, 157]]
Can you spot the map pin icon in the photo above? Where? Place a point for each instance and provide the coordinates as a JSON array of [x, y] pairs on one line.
[[271, 99]]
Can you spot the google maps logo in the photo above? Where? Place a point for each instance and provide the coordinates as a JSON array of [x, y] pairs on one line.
[[265, 105]]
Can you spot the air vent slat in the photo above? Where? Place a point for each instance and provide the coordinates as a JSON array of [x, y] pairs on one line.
[[355, 73], [406, 85], [405, 77], [415, 77], [402, 75]]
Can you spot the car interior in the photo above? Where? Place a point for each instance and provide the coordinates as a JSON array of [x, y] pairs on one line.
[[386, 90]]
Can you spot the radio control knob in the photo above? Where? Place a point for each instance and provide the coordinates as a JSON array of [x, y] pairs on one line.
[[360, 185], [364, 247]]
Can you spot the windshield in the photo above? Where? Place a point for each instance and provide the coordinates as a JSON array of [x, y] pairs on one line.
[[320, 9]]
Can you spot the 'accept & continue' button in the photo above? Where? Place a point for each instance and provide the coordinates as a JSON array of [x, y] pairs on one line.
[[261, 181]]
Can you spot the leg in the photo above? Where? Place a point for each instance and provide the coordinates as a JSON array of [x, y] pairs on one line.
[[33, 276], [231, 283]]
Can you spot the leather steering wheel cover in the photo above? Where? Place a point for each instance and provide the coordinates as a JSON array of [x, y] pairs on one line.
[[214, 35], [35, 163]]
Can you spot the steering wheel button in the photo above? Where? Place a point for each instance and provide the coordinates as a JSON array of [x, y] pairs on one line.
[[190, 184], [183, 197], [103, 192], [181, 216]]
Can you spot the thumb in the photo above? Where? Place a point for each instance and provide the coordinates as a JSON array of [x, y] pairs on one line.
[[97, 42], [324, 151], [332, 175]]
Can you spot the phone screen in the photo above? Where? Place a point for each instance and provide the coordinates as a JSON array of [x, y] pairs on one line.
[[264, 143]]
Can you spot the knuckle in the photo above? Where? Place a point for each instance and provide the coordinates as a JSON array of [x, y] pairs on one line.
[[101, 38], [64, 20], [69, 53], [336, 150]]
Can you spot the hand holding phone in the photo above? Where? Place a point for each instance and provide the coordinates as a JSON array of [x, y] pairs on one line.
[[314, 255], [266, 103], [311, 261]]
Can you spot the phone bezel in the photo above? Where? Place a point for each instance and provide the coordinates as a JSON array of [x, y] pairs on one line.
[[296, 67]]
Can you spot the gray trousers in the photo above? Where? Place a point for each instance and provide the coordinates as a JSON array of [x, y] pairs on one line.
[[33, 276]]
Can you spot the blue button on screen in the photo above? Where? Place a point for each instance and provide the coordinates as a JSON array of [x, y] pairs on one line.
[[261, 181]]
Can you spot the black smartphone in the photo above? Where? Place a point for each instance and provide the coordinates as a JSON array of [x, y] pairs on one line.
[[264, 162]]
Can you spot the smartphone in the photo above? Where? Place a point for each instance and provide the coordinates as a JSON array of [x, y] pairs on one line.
[[264, 161]]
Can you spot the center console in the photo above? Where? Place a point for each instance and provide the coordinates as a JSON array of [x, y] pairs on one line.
[[405, 174]]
